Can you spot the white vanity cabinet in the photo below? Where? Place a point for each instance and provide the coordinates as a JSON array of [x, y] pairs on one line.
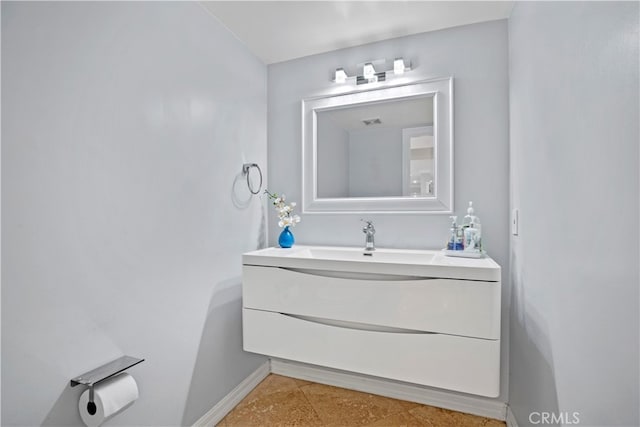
[[434, 325]]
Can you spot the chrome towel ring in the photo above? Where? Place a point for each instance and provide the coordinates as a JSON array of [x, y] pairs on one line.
[[246, 168]]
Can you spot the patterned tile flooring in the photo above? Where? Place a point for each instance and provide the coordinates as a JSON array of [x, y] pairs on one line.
[[284, 401]]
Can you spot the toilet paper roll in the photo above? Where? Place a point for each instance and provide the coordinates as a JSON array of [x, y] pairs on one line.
[[110, 397]]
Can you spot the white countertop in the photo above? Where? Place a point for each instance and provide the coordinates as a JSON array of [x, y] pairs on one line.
[[408, 262]]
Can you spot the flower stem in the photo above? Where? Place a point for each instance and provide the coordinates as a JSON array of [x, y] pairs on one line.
[[271, 196]]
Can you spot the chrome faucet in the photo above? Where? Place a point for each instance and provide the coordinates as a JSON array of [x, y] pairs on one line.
[[369, 231]]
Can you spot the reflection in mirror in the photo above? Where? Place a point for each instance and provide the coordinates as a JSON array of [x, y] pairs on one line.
[[386, 150], [378, 149], [418, 161]]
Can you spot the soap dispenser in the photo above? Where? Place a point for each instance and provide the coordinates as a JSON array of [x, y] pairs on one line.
[[472, 231], [455, 239]]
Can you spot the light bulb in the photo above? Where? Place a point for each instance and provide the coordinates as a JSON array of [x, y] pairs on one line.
[[398, 66], [368, 71], [341, 75]]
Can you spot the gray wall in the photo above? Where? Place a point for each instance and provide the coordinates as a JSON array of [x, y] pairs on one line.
[[476, 55], [333, 154], [375, 162], [125, 126], [574, 174]]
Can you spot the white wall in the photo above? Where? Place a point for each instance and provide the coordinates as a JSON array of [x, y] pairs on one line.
[[125, 126], [476, 55], [574, 174]]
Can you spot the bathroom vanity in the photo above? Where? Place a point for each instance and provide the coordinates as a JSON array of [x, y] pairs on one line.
[[408, 315]]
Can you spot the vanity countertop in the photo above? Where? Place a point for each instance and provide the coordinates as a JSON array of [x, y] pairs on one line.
[[406, 262]]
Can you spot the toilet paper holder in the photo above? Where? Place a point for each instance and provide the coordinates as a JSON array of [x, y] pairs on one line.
[[106, 371]]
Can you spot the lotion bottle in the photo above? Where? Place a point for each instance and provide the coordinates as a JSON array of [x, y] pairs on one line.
[[472, 231]]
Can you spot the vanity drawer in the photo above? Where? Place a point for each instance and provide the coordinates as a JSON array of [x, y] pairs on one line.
[[457, 307], [468, 365]]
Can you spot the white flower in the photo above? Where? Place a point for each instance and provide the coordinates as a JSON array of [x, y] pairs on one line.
[[287, 222], [285, 212]]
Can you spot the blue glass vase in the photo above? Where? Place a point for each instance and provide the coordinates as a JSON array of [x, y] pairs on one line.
[[286, 239]]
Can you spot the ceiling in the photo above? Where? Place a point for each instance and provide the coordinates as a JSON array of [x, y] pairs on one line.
[[402, 113], [277, 31]]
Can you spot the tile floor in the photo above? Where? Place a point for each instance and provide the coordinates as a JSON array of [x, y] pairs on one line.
[[284, 401]]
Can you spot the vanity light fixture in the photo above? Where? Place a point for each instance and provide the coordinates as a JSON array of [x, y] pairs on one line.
[[398, 66], [370, 74], [368, 71], [341, 75]]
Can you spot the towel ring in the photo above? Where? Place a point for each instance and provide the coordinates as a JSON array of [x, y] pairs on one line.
[[246, 168]]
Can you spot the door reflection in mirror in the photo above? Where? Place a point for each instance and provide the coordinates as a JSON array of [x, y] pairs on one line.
[[418, 162]]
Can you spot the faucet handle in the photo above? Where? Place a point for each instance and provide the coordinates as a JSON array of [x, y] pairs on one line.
[[368, 226]]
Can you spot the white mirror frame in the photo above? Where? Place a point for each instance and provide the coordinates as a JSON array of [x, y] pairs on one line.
[[440, 203]]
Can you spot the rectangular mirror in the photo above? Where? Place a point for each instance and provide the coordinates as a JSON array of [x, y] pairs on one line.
[[383, 150]]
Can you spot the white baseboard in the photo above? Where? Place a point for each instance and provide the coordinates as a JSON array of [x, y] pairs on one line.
[[235, 396], [414, 393], [485, 407], [511, 419]]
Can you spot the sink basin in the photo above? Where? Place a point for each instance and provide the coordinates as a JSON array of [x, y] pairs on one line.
[[408, 262], [359, 255]]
